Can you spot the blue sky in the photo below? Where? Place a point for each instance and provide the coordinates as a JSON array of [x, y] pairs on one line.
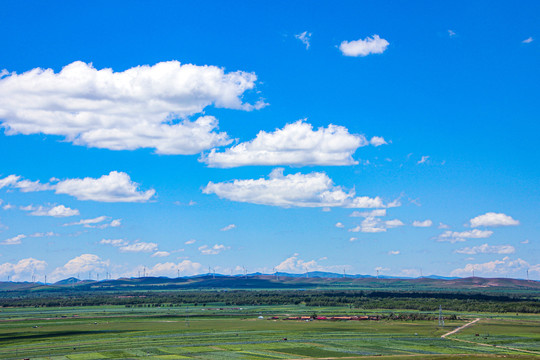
[[173, 137]]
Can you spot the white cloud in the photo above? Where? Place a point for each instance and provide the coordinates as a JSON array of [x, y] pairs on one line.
[[189, 242], [528, 40], [451, 33], [304, 38], [423, 160], [524, 241], [453, 236], [294, 264], [56, 211], [340, 225], [372, 213], [81, 264], [136, 108], [352, 239], [228, 227], [372, 224], [298, 190], [23, 185], [377, 141], [114, 242], [373, 45], [214, 250], [493, 268], [161, 254], [296, 144], [8, 207], [115, 223], [443, 226], [23, 269], [425, 223], [16, 240], [126, 246], [493, 219], [393, 252], [393, 223], [487, 249], [115, 187], [139, 246], [88, 222], [186, 267]]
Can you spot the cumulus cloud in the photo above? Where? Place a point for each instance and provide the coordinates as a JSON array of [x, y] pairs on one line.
[[493, 268], [294, 264], [296, 144], [295, 190], [352, 239], [425, 223], [528, 40], [81, 264], [185, 267], [16, 182], [377, 141], [189, 242], [372, 213], [16, 240], [23, 269], [340, 225], [453, 236], [56, 211], [443, 226], [487, 249], [372, 222], [370, 45], [304, 38], [114, 242], [142, 107], [214, 250], [228, 227], [393, 252], [126, 246], [115, 187], [493, 219], [139, 246]]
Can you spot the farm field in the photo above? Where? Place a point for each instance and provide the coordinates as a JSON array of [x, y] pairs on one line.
[[223, 332]]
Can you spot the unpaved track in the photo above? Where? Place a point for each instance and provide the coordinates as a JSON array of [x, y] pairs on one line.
[[482, 344], [460, 328]]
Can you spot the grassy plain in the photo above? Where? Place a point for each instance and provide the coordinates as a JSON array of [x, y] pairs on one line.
[[189, 332]]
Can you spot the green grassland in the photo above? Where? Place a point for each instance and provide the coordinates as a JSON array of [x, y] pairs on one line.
[[226, 332]]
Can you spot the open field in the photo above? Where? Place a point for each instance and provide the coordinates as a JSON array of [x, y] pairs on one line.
[[196, 332]]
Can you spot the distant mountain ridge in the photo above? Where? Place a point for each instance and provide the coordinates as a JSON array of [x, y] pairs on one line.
[[282, 280]]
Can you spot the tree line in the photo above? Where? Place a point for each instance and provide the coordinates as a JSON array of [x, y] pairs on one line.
[[354, 299]]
